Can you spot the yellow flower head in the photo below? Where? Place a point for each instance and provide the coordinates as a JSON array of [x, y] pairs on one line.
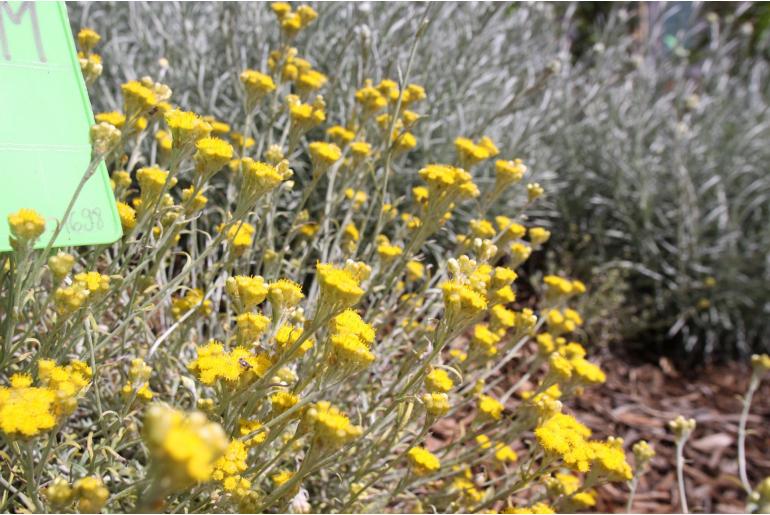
[[330, 427], [306, 116], [152, 181], [341, 286], [413, 93], [415, 270], [485, 340], [520, 252], [482, 229], [26, 411], [127, 216], [59, 493], [280, 9], [340, 134], [254, 428], [246, 292], [193, 299], [508, 172], [259, 178], [61, 264], [609, 461], [68, 382], [186, 128], [287, 335], [114, 118], [94, 282], [184, 446], [26, 225], [501, 318], [448, 181], [389, 89], [438, 381], [87, 39], [324, 154], [241, 236], [360, 149], [256, 85], [214, 363], [309, 81], [504, 453], [69, 299], [403, 142], [534, 191], [91, 494], [423, 461], [436, 404], [461, 301], [211, 155], [539, 235], [138, 98], [349, 351], [251, 326], [470, 153], [282, 401], [490, 408], [284, 293], [563, 436], [370, 98]]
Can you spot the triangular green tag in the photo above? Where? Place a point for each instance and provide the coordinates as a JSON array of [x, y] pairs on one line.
[[45, 116]]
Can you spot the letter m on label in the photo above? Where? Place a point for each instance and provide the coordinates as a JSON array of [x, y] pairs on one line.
[[18, 23]]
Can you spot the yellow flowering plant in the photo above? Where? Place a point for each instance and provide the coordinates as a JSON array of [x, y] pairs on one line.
[[276, 315]]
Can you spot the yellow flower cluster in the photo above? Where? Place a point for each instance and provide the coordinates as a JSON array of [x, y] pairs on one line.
[[26, 225], [246, 292], [287, 335], [214, 363], [211, 155], [26, 410], [186, 128], [184, 446], [240, 236], [423, 461], [490, 408], [193, 299], [284, 294], [256, 85], [341, 286], [436, 404], [562, 321], [351, 339], [305, 116], [508, 172], [438, 381], [566, 438], [470, 153], [558, 288], [292, 22], [229, 467], [330, 427]]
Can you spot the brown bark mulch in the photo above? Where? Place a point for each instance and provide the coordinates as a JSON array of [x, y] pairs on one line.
[[637, 402]]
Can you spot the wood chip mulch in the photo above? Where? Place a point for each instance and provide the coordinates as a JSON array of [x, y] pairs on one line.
[[638, 401]]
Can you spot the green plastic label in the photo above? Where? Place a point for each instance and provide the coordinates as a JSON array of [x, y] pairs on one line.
[[45, 117]]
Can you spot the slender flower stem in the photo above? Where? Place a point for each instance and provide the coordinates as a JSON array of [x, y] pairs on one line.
[[753, 385], [680, 473]]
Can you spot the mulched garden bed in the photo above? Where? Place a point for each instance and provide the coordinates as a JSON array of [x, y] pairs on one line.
[[637, 402]]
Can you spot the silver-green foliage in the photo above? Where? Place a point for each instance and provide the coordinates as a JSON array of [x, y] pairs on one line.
[[655, 156]]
